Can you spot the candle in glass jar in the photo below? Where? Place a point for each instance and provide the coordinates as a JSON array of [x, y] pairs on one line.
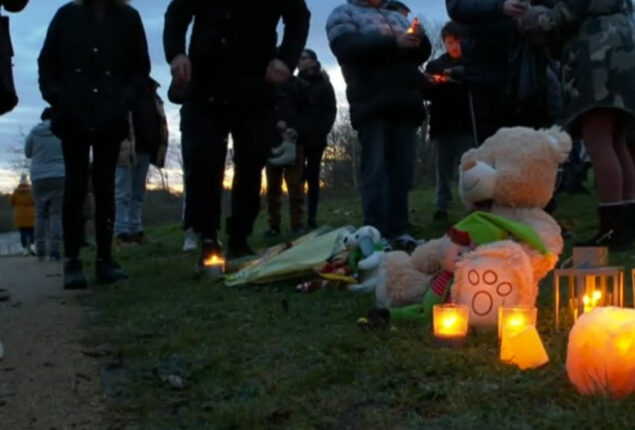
[[450, 323], [512, 320]]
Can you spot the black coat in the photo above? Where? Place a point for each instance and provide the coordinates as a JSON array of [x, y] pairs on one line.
[[13, 5], [316, 109], [91, 72], [486, 39], [450, 102], [232, 44]]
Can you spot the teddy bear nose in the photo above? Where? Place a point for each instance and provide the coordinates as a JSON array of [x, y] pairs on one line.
[[468, 165]]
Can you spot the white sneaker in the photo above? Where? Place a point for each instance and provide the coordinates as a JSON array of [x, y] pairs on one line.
[[191, 241]]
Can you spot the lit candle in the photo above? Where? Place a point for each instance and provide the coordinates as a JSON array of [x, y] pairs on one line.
[[450, 323], [414, 27], [591, 302], [512, 320], [214, 266]]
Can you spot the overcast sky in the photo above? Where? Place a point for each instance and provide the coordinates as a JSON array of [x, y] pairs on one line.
[[29, 29]]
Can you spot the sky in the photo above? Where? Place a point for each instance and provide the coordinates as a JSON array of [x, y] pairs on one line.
[[29, 28]]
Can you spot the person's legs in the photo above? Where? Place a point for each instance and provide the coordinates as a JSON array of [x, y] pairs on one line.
[[139, 177], [204, 140], [55, 217], [24, 240], [372, 138], [76, 153], [400, 160], [274, 197], [105, 155], [42, 203], [293, 176], [254, 131], [313, 157], [30, 237], [445, 162], [123, 193]]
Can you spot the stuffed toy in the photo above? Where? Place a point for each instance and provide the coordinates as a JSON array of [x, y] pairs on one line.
[[357, 267], [513, 175], [284, 154], [479, 263]]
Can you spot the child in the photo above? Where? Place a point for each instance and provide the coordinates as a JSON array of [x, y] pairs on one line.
[[450, 114]]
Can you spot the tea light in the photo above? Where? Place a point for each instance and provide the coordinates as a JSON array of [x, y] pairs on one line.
[[512, 320], [450, 323], [214, 266]]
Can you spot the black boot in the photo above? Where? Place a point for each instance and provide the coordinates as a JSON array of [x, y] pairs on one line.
[[238, 249], [109, 271], [615, 232], [74, 278]]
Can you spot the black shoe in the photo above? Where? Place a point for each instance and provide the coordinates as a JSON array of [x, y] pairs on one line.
[[615, 232], [41, 255], [137, 238], [74, 278], [440, 215], [55, 256], [123, 239], [272, 233], [209, 248], [109, 272], [239, 249]]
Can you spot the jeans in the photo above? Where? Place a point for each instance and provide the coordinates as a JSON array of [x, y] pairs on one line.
[[449, 148], [293, 177], [130, 191], [49, 197], [387, 162], [205, 130], [76, 157], [26, 236], [313, 164]]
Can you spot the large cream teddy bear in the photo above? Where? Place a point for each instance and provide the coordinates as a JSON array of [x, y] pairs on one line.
[[512, 176]]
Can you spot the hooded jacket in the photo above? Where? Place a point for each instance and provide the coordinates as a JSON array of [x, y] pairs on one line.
[[91, 72], [45, 151], [232, 44], [383, 80], [13, 5]]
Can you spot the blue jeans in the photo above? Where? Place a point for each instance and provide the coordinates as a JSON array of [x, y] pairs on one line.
[[449, 148], [388, 162], [130, 190]]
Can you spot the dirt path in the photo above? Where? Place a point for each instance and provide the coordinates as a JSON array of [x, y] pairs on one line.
[[46, 380]]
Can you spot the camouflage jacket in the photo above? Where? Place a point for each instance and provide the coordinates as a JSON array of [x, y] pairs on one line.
[[598, 55]]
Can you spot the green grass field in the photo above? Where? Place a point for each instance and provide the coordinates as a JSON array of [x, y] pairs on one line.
[[248, 362]]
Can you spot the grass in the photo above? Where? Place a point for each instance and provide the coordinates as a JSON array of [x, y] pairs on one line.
[[247, 363]]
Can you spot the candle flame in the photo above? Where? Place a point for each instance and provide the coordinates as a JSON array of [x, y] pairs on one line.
[[414, 27], [213, 260], [516, 321], [591, 302], [449, 322]]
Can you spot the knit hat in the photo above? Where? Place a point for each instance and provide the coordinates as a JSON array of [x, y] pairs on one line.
[[481, 228]]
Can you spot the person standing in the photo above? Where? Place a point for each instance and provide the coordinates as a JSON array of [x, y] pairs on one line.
[[380, 61], [8, 96], [47, 174], [24, 214], [92, 66], [230, 73], [317, 110], [450, 117], [598, 71]]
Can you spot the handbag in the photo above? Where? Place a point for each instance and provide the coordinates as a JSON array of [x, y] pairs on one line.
[[8, 94]]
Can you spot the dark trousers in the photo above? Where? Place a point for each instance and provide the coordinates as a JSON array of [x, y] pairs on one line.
[[26, 236], [78, 167], [293, 177], [205, 129], [449, 149], [388, 161], [312, 167], [49, 197]]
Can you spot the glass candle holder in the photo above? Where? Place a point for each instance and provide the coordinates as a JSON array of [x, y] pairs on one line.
[[450, 324], [514, 319]]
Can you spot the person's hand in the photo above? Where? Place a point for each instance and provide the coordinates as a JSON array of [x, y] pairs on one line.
[[181, 69], [529, 22], [408, 41], [277, 72], [515, 8]]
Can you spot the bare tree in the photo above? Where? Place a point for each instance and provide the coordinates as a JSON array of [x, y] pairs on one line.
[[17, 161]]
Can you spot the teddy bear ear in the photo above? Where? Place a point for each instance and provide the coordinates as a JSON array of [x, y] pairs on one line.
[[560, 141]]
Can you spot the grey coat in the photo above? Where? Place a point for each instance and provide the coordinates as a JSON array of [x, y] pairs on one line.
[[45, 150]]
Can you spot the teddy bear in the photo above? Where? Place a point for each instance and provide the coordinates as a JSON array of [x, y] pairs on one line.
[[512, 176]]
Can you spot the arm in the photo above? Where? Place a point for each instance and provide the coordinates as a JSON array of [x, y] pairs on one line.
[[352, 47], [14, 5], [48, 64], [177, 20], [138, 60], [28, 147], [565, 16], [323, 123], [296, 17], [474, 11]]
